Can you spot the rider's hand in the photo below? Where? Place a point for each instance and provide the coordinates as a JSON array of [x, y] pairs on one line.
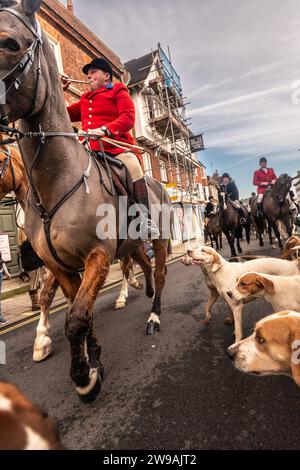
[[65, 82], [99, 133], [273, 181]]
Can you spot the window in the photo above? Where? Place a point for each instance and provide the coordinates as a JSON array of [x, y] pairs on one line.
[[147, 164], [54, 43], [163, 170]]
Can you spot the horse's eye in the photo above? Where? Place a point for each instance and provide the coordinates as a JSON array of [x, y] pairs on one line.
[[10, 44]]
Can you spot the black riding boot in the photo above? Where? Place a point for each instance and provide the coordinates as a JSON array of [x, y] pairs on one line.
[[259, 210], [148, 229]]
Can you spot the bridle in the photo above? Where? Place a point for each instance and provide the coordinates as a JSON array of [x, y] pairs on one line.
[[15, 77]]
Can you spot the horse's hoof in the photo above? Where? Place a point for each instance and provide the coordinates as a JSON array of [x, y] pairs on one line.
[[91, 392], [248, 252], [152, 327], [228, 321], [42, 349], [206, 321], [120, 305], [137, 284], [273, 247], [240, 250], [261, 244]]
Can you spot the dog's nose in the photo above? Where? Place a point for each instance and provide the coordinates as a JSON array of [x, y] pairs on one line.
[[229, 293], [231, 352], [189, 252]]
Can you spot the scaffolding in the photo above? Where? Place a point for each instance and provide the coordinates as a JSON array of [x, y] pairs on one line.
[[165, 114]]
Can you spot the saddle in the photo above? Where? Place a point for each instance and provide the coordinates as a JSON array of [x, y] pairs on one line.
[[118, 174]]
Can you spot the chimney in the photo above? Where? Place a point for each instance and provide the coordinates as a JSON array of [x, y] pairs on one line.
[[70, 6]]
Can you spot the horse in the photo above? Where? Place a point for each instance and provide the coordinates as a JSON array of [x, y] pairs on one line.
[[231, 225], [276, 207], [42, 293], [213, 230], [12, 173], [66, 210]]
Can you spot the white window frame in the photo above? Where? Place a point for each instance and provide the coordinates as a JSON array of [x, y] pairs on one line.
[[147, 164], [57, 52]]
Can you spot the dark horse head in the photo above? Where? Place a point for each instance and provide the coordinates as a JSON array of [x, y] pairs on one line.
[[281, 187], [222, 195]]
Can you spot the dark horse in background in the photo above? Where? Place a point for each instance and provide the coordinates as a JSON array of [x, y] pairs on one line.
[[275, 207], [231, 225], [213, 231]]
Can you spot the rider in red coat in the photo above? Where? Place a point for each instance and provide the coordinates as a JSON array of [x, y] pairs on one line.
[[263, 178], [108, 111]]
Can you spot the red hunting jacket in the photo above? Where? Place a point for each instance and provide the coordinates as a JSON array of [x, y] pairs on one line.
[[108, 106], [263, 177]]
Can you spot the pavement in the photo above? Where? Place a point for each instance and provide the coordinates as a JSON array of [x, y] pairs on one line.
[[16, 303], [174, 390]]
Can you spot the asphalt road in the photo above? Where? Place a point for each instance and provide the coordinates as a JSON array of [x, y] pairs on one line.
[[175, 390]]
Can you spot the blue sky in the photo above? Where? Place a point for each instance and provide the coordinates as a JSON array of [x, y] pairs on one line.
[[239, 64]]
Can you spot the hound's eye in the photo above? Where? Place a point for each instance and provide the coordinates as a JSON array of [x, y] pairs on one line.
[[259, 339], [243, 284]]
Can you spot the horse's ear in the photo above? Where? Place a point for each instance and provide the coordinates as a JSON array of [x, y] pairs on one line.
[[30, 7]]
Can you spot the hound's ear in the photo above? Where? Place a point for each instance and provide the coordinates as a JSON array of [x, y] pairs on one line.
[[30, 7], [266, 284], [295, 357], [216, 264]]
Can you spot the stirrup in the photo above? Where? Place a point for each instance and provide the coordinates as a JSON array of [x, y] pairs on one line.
[[259, 214], [243, 221], [149, 230]]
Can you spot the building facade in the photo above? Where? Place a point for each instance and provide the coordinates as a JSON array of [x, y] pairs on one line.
[[162, 129]]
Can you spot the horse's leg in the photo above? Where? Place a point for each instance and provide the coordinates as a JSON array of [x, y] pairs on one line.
[[237, 235], [42, 344], [121, 300], [217, 242], [288, 225], [126, 265], [211, 240], [220, 241], [86, 368], [142, 259], [230, 240], [273, 226], [160, 252]]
